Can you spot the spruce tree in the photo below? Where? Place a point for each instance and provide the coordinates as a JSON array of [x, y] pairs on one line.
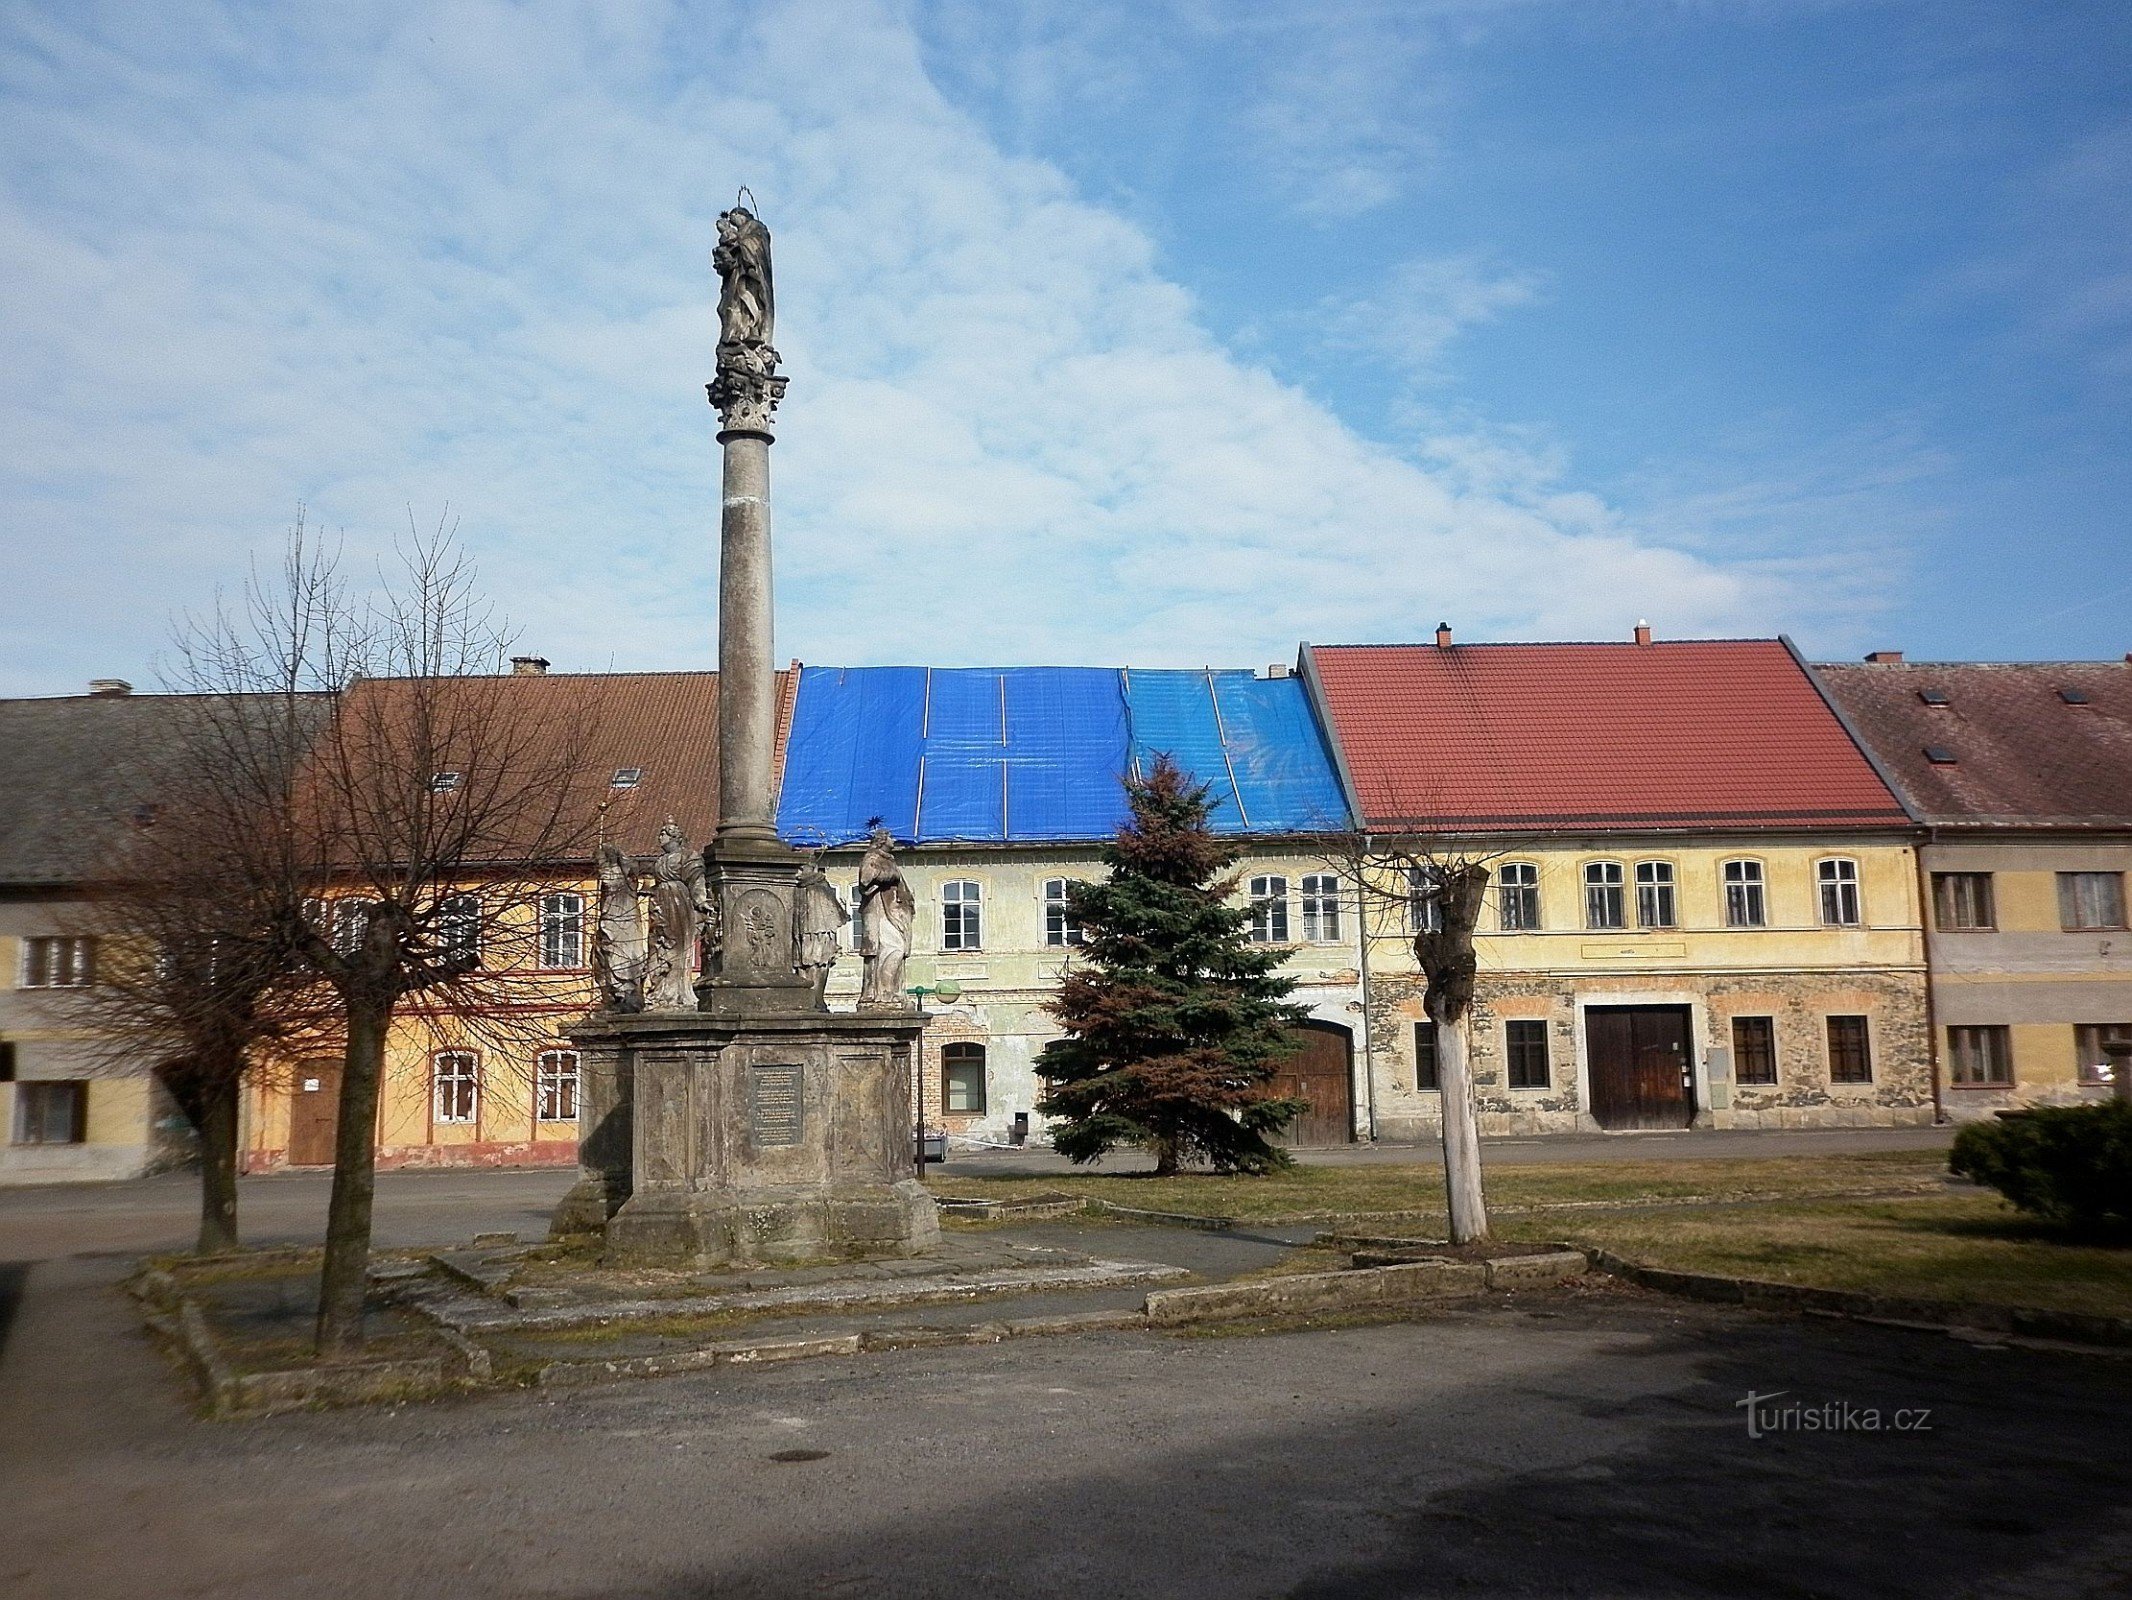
[[1175, 1022]]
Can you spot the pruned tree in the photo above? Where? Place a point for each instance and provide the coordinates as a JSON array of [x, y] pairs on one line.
[[413, 799], [1175, 1022], [1433, 887]]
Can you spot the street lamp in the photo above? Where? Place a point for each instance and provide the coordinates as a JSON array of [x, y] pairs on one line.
[[949, 990]]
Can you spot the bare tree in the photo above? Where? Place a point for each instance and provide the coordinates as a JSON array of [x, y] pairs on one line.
[[1434, 886], [411, 801]]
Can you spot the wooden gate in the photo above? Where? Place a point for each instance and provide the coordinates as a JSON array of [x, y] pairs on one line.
[[1640, 1070], [1321, 1071], [314, 1112]]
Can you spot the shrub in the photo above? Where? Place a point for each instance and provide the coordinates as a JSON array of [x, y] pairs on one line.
[[2070, 1165]]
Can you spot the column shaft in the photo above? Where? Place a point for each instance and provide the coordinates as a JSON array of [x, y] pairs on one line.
[[747, 677]]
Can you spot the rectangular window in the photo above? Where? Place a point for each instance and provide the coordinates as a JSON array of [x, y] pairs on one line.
[[1425, 1055], [555, 1086], [1517, 897], [1980, 1058], [456, 1079], [1321, 907], [51, 1113], [961, 916], [1850, 1051], [1603, 899], [1744, 906], [2088, 1041], [962, 1079], [1425, 905], [1754, 1050], [1961, 901], [459, 929], [351, 921], [1269, 910], [1060, 927], [49, 963], [1654, 894], [562, 930], [2091, 900], [1525, 1049], [1838, 880]]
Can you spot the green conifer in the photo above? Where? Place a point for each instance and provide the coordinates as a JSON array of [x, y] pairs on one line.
[[1175, 1022]]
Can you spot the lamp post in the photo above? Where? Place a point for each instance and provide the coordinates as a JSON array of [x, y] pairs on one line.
[[946, 990]]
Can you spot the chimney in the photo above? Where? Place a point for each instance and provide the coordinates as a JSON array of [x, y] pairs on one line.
[[1277, 670], [1443, 636], [110, 688], [1643, 631], [1885, 658], [529, 666]]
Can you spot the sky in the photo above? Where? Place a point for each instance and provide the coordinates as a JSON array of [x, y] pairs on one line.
[[1167, 332]]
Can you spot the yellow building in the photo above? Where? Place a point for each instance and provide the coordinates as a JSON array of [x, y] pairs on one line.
[[2022, 776], [1703, 904]]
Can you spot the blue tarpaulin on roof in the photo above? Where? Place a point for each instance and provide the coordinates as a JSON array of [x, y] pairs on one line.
[[1006, 754]]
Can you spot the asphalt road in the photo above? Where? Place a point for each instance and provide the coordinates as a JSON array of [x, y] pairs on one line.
[[1587, 1444]]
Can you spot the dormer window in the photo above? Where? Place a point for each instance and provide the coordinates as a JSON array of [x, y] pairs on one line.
[[1934, 697], [444, 783], [626, 778], [2073, 697], [1939, 755]]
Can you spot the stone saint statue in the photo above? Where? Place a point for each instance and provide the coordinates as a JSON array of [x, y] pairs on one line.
[[886, 910], [680, 913], [747, 388], [818, 917], [747, 312], [618, 936]]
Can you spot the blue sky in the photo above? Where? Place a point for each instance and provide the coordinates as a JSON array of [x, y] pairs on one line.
[[1171, 332]]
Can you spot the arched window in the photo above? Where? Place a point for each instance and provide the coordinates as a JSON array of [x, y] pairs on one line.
[[1517, 896], [455, 1079], [961, 925], [1838, 881], [962, 1079], [1321, 907], [1654, 894], [1060, 926], [1744, 904], [1269, 910], [1425, 901], [1604, 905]]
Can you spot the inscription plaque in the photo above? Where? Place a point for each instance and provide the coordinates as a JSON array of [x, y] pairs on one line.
[[774, 1105]]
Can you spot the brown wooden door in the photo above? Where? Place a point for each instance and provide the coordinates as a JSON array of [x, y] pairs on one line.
[[314, 1112], [1321, 1071], [1641, 1072]]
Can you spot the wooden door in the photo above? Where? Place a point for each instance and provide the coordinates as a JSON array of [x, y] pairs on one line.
[[1640, 1071], [1322, 1072], [314, 1112]]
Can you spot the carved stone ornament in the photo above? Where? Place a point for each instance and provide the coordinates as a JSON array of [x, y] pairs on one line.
[[747, 389]]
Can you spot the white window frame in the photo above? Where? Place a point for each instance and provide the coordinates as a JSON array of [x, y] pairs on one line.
[[1598, 887], [1746, 886], [1062, 929], [1657, 895], [70, 961], [557, 1077], [1321, 907], [1269, 908], [562, 931], [351, 924], [459, 925], [962, 924], [466, 1085], [1838, 894], [1425, 900], [1523, 890]]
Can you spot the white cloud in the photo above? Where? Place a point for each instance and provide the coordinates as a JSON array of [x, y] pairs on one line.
[[379, 261], [1424, 305]]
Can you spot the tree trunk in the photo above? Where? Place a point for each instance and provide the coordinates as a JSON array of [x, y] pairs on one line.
[[1166, 1162], [1462, 1138], [344, 1280], [218, 1166]]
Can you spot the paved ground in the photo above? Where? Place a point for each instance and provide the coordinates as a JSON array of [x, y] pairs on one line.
[[1556, 1445]]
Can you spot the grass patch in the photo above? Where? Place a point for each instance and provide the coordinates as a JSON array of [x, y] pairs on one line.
[[1375, 1188], [1971, 1248]]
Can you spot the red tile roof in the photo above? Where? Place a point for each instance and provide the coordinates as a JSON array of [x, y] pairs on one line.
[[1705, 733], [2022, 756]]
